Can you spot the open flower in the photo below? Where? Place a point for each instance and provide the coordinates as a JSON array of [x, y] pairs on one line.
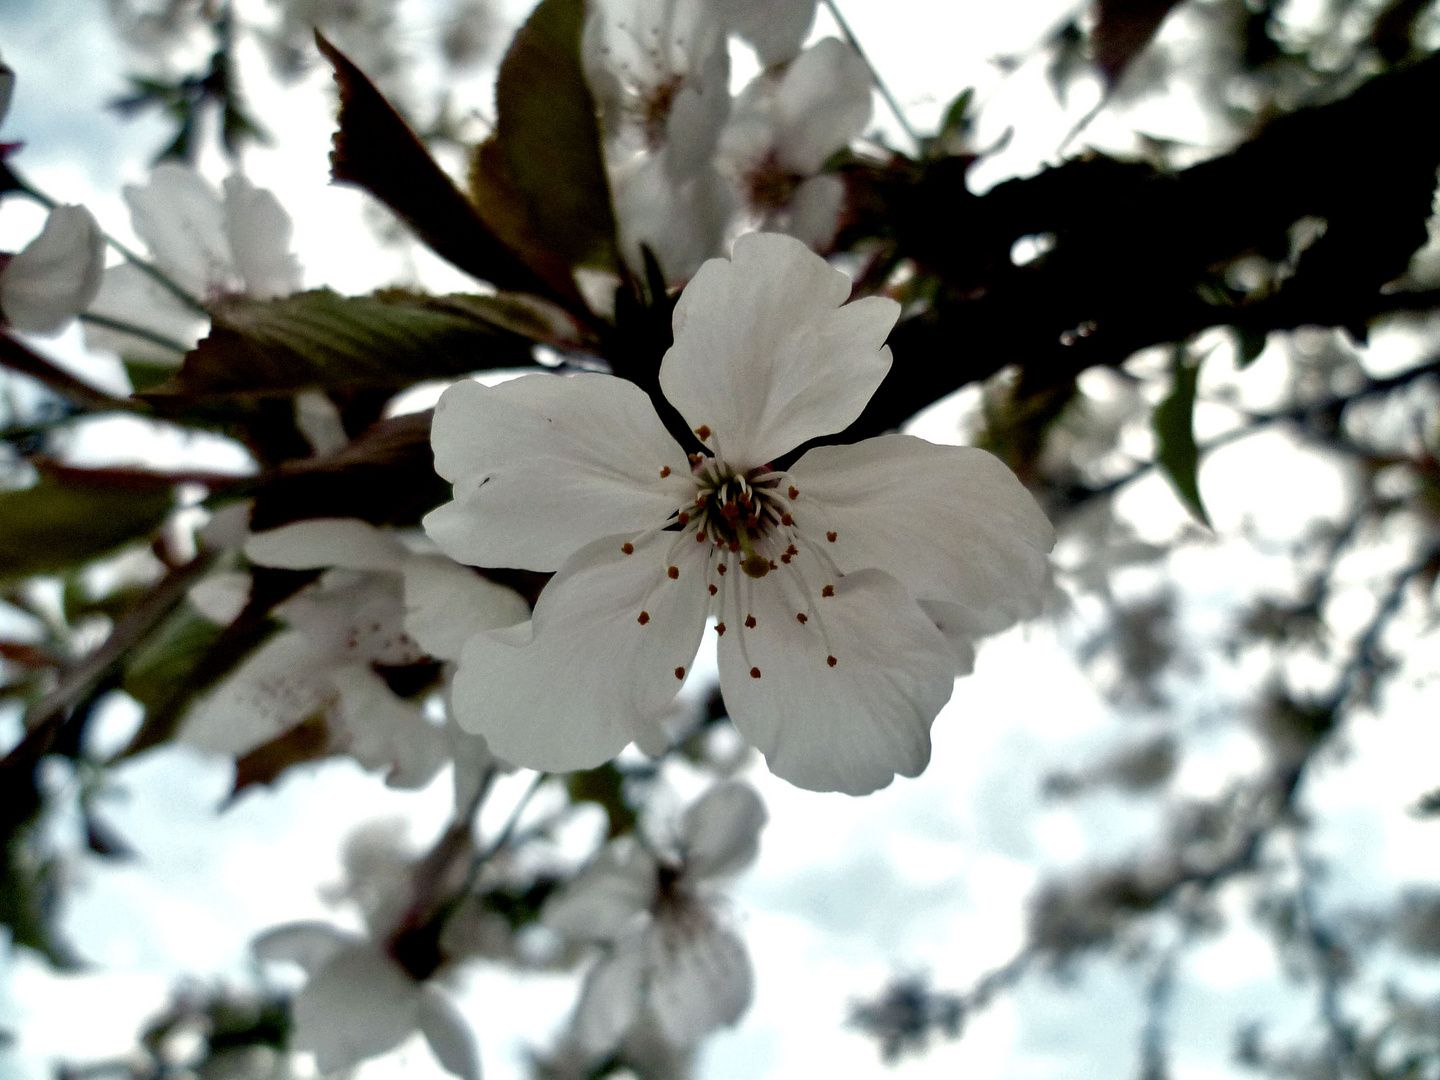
[[378, 606], [670, 960], [846, 588]]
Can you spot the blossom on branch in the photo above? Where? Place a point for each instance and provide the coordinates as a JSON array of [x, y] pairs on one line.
[[670, 959], [846, 588], [55, 276]]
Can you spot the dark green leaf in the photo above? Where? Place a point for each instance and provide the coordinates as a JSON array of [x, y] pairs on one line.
[[548, 140], [1176, 452], [323, 340], [376, 150], [74, 515], [158, 668]]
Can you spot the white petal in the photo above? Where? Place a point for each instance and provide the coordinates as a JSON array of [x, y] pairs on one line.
[[309, 944], [354, 617], [765, 355], [952, 523], [610, 999], [319, 421], [181, 219], [680, 216], [822, 103], [319, 542], [544, 464], [774, 28], [382, 731], [950, 620], [276, 687], [221, 596], [609, 900], [573, 695], [55, 276], [129, 294], [814, 211], [721, 831], [700, 979], [447, 604], [359, 1005], [448, 1034], [698, 113], [258, 229], [848, 727]]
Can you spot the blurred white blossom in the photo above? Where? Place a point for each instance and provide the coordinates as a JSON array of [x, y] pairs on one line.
[[55, 276], [847, 588], [670, 959]]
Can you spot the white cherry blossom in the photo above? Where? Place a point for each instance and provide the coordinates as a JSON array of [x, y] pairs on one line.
[[210, 244], [846, 588], [785, 124], [379, 604], [55, 276], [670, 959]]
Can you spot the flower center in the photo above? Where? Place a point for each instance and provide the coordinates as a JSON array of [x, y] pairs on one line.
[[746, 514]]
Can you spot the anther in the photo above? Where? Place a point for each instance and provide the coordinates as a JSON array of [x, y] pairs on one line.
[[830, 660], [643, 618], [664, 472], [786, 557], [722, 568], [794, 492], [683, 517], [802, 617], [792, 551], [713, 590], [674, 573], [679, 673], [628, 548], [754, 673], [703, 431], [830, 536], [787, 520], [720, 628], [700, 537], [695, 459], [828, 590], [750, 622]]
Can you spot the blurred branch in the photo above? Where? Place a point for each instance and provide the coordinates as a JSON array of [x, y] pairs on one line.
[[18, 357]]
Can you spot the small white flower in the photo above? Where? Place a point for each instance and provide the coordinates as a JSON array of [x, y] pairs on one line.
[[55, 276], [379, 605], [660, 73], [358, 1003], [846, 588], [670, 958], [783, 128], [211, 246]]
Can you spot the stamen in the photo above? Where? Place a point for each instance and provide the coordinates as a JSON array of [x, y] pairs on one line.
[[754, 673], [674, 573], [713, 590], [722, 568], [794, 493], [720, 628], [750, 622], [664, 472], [643, 618], [683, 517], [787, 521], [680, 673], [831, 661], [802, 617], [703, 431], [628, 548], [830, 536], [828, 590]]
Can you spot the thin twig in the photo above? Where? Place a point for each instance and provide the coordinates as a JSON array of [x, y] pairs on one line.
[[854, 43]]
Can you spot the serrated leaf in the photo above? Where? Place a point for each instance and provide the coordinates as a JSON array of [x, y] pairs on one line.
[[376, 150], [540, 179], [1176, 452], [1122, 29], [74, 515], [321, 340]]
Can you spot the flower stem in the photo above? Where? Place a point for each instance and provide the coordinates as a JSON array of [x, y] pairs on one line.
[[121, 326], [874, 75]]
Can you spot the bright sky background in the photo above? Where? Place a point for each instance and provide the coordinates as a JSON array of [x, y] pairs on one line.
[[929, 875]]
